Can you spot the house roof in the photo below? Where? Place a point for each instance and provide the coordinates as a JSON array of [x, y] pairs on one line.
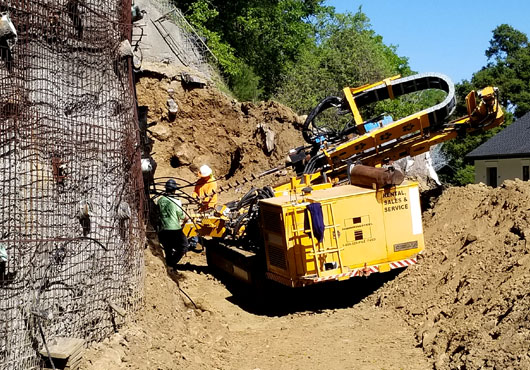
[[513, 141]]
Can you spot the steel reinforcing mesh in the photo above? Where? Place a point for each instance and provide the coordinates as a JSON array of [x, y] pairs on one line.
[[71, 221]]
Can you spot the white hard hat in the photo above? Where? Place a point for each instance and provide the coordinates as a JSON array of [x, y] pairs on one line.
[[205, 171], [146, 165]]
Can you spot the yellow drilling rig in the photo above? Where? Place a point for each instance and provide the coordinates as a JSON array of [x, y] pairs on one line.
[[348, 211]]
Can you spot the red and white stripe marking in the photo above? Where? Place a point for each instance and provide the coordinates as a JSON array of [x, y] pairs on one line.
[[363, 271], [403, 263]]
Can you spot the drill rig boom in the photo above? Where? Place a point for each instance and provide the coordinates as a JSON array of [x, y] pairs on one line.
[[409, 136]]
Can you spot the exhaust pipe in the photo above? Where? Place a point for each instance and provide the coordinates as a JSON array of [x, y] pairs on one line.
[[367, 176]]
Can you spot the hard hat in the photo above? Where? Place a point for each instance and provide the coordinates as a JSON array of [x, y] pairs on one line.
[[171, 185], [205, 171], [146, 165]]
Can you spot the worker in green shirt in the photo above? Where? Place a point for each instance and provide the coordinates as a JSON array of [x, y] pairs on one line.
[[172, 218]]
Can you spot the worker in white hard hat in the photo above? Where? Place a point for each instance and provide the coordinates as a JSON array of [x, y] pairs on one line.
[[205, 192], [205, 189]]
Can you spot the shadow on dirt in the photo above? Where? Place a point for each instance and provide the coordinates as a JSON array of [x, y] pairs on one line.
[[192, 267], [269, 298], [156, 249], [273, 299], [428, 198]]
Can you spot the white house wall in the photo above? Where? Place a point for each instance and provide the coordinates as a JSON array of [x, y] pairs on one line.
[[509, 168]]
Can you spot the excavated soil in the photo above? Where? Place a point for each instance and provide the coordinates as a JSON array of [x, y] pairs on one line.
[[465, 305], [211, 128], [193, 321], [469, 297]]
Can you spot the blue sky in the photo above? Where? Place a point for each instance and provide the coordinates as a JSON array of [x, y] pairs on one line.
[[445, 36]]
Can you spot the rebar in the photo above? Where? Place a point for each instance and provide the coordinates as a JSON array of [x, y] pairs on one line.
[[69, 167]]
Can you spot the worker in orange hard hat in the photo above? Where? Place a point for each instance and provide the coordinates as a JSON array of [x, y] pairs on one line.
[[205, 189]]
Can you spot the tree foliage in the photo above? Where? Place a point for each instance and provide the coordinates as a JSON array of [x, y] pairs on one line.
[[508, 69], [346, 52], [458, 148], [300, 51], [285, 48], [254, 39]]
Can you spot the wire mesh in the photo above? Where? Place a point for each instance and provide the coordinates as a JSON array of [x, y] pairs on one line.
[[188, 45], [71, 222]]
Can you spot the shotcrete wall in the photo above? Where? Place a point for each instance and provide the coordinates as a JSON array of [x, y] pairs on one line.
[[71, 189]]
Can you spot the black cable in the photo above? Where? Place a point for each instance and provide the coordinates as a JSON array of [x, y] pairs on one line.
[[232, 205], [164, 180], [313, 164], [181, 194], [238, 224], [186, 294], [87, 238], [246, 199], [186, 213]]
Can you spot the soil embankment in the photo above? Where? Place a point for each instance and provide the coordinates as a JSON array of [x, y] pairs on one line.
[[469, 297], [223, 328], [192, 320], [211, 128]]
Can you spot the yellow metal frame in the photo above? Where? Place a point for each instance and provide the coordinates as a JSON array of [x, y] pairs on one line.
[[304, 255], [296, 184], [485, 115], [349, 94], [211, 226]]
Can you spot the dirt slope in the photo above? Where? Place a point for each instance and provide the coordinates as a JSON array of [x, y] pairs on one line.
[[467, 301], [192, 320], [166, 334], [469, 298], [210, 128]]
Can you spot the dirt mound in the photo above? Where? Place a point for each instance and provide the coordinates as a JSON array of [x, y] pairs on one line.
[[467, 300], [235, 139], [469, 297]]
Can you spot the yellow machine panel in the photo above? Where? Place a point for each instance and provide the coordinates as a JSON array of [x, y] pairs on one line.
[[364, 231]]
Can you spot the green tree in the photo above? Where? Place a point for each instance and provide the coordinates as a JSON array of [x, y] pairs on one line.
[[254, 39], [458, 148], [346, 52], [508, 68]]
